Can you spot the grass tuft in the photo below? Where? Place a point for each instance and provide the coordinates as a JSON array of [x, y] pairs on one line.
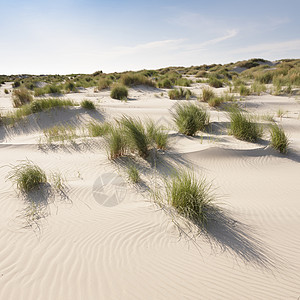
[[190, 118], [87, 104], [279, 139], [207, 94], [98, 129], [27, 176], [243, 128], [191, 197], [135, 135], [21, 96], [133, 174], [177, 94], [119, 92]]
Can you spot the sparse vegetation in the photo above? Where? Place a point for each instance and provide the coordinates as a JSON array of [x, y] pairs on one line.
[[98, 129], [36, 106], [190, 118], [133, 174], [60, 133], [243, 128], [27, 176], [279, 139]]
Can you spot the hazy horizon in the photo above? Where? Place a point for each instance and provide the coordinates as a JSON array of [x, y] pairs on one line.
[[64, 37]]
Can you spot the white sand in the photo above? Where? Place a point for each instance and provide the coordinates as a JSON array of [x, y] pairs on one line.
[[81, 249]]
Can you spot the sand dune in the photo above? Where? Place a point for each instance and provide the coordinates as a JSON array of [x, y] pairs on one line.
[[81, 248]]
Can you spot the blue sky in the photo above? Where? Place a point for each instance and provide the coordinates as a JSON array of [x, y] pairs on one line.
[[76, 36]]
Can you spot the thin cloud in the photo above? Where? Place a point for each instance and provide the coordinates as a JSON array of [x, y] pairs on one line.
[[278, 47]]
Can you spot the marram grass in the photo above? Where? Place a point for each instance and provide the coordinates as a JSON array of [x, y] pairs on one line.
[[27, 176]]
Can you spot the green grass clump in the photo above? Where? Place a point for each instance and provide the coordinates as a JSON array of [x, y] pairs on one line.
[[98, 129], [119, 92], [115, 143], [157, 135], [70, 86], [135, 135], [165, 83], [191, 197], [133, 174], [207, 94], [104, 83], [215, 101], [243, 128], [177, 94], [21, 96], [215, 82], [183, 82], [6, 91], [27, 176], [60, 133], [190, 118], [279, 139], [87, 104], [244, 91], [132, 79]]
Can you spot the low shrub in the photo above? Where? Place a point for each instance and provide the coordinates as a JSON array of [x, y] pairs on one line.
[[279, 139], [190, 118], [6, 91], [119, 92]]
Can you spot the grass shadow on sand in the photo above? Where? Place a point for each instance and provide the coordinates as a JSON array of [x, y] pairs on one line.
[[227, 234], [37, 206]]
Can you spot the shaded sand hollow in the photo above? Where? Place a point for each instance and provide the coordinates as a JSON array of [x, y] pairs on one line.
[[104, 238]]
